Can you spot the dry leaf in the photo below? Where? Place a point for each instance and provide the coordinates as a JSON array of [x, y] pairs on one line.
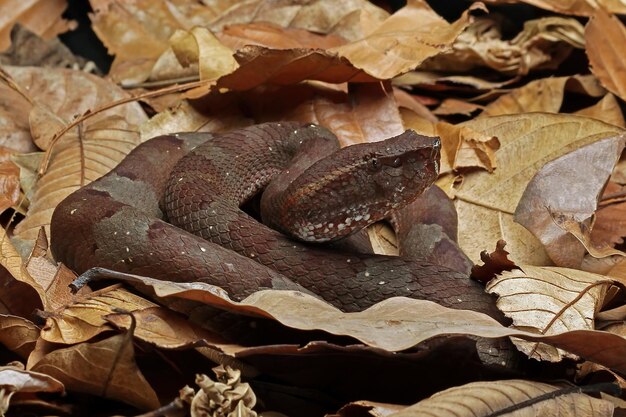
[[542, 44], [548, 301], [605, 35], [607, 109], [42, 17], [488, 398], [15, 380], [367, 408], [573, 7], [405, 40], [438, 82], [544, 95], [462, 147], [18, 334], [106, 369], [494, 263], [277, 37], [486, 202], [199, 46], [568, 189], [609, 227], [395, 324], [9, 185], [84, 318], [352, 19]]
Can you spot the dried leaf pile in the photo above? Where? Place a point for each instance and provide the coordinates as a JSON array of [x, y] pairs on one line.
[[527, 97]]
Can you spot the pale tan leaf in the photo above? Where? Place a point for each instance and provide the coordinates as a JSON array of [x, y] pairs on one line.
[[403, 41], [605, 37], [85, 316], [549, 300], [199, 46], [607, 110], [106, 368], [20, 380], [372, 409], [9, 185], [486, 202], [488, 398], [559, 202]]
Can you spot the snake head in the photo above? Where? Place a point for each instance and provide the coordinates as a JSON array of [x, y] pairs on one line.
[[361, 184]]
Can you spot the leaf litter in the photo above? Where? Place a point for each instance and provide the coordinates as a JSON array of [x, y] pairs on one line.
[[532, 159]]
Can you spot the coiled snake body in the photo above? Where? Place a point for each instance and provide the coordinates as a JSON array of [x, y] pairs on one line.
[[117, 221]]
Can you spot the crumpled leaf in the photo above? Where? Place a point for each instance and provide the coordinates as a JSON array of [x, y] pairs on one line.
[[488, 397], [462, 147], [106, 368], [227, 396], [493, 263], [572, 7], [42, 17], [559, 202], [609, 227], [549, 300], [605, 37], [543, 44], [486, 201]]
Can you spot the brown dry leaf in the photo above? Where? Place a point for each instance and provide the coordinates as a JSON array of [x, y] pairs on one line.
[[18, 334], [42, 17], [83, 154], [405, 40], [609, 227], [544, 95], [542, 44], [573, 7], [607, 109], [214, 117], [369, 113], [453, 106], [494, 397], [351, 19], [462, 147], [11, 260], [494, 263], [367, 408], [395, 324], [84, 318], [605, 36], [486, 201], [9, 185], [436, 81], [166, 329], [277, 37], [106, 369], [559, 202], [549, 300]]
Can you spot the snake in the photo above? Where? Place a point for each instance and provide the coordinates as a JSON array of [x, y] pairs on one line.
[[172, 210]]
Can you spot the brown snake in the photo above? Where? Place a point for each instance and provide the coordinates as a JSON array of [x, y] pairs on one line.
[[117, 221]]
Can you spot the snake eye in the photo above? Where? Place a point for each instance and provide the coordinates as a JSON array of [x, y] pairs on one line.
[[396, 163], [375, 164]]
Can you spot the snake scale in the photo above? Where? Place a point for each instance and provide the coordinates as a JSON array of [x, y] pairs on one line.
[[198, 181]]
